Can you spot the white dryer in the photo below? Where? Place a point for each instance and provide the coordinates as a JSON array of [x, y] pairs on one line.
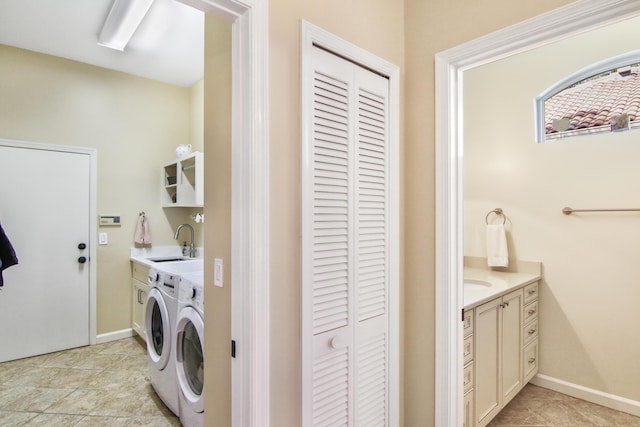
[[160, 323], [190, 350]]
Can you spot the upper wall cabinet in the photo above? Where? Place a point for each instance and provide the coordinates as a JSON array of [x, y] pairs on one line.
[[183, 182]]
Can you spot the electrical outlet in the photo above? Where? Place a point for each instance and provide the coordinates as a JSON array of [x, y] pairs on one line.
[[217, 272]]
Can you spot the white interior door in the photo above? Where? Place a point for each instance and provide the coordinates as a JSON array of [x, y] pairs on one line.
[[346, 248], [45, 211]]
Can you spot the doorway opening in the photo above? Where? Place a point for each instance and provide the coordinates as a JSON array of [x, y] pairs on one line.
[[450, 66], [249, 207]]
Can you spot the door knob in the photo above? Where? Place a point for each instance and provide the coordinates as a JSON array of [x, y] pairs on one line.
[[82, 260], [82, 246], [339, 341]]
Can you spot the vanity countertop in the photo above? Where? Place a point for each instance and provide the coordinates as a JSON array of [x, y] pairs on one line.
[[502, 282]]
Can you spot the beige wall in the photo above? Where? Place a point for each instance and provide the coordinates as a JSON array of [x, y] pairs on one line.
[[375, 25], [133, 123], [590, 289], [431, 27], [217, 175]]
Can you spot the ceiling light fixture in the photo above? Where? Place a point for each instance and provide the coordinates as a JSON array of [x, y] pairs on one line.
[[123, 20]]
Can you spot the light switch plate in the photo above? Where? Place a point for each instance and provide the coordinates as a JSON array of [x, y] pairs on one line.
[[103, 238], [218, 272]]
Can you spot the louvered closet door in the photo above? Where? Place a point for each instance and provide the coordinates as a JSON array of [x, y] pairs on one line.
[[346, 247]]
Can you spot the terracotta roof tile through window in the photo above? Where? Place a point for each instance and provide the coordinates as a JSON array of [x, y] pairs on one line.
[[596, 101]]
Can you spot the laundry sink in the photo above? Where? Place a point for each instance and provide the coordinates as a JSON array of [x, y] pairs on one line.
[[170, 259], [178, 265]]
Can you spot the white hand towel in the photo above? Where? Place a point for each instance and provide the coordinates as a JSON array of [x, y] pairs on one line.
[[497, 250], [142, 234]]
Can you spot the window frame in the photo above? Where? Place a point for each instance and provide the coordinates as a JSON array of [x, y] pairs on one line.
[[591, 70]]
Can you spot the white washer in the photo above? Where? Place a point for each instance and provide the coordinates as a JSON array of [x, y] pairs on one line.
[[160, 321], [190, 350]]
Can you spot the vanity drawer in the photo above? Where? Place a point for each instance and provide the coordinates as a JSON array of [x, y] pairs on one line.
[[530, 292], [530, 360], [469, 410], [531, 331], [530, 312], [467, 377], [140, 272], [467, 349], [467, 323]]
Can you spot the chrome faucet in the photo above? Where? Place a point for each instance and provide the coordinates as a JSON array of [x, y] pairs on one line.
[[192, 249]]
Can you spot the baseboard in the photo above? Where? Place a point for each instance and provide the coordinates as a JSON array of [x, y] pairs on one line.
[[590, 395], [113, 336]]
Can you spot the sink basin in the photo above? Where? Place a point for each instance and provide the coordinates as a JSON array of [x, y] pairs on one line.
[[475, 284], [187, 265], [169, 259]]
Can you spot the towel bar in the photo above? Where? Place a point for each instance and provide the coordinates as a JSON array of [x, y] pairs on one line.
[[569, 211], [497, 211]]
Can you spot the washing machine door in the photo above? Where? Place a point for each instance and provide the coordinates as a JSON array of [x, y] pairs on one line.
[[157, 329], [190, 361]]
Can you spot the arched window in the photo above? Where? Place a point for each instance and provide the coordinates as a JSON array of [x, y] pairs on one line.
[[603, 97]]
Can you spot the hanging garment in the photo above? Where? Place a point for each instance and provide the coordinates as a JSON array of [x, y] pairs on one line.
[[7, 254]]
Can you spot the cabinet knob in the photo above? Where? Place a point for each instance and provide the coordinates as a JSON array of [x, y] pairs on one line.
[[82, 260], [531, 291], [82, 246], [530, 312], [532, 331], [532, 360]]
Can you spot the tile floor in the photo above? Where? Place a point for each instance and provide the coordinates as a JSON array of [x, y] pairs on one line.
[[537, 406], [100, 385], [106, 385]]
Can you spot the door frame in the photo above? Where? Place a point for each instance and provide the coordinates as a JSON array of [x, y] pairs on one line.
[[250, 313], [574, 18], [315, 36], [93, 197]]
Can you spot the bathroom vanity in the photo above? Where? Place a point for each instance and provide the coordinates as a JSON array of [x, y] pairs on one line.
[[500, 351]]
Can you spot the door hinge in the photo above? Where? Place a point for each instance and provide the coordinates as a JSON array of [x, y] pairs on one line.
[[233, 349]]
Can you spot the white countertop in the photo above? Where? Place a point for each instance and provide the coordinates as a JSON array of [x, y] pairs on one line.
[[501, 283], [191, 266]]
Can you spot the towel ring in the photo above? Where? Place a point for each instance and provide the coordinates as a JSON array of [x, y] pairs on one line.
[[497, 211]]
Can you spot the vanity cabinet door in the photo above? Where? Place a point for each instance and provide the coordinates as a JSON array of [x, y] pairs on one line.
[[487, 360], [498, 354], [467, 419], [512, 340]]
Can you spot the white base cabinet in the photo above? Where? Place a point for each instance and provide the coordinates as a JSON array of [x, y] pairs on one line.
[[140, 290], [504, 346], [468, 371]]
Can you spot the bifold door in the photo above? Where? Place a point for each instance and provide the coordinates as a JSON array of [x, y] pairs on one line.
[[346, 247]]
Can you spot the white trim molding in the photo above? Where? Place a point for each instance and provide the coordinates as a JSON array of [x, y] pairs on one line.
[[315, 36], [589, 394], [575, 18], [115, 336], [250, 325]]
